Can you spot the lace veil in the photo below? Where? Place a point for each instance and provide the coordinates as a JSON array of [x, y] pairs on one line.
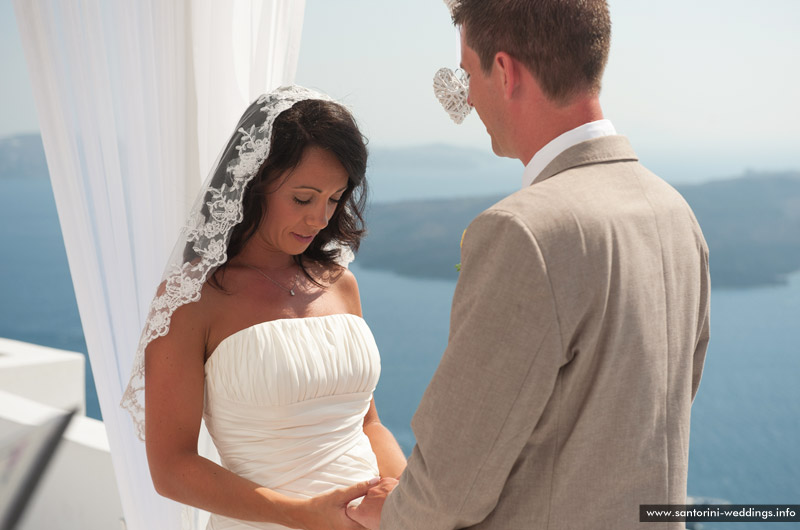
[[203, 242]]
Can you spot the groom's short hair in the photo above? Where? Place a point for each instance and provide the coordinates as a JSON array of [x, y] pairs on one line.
[[563, 43]]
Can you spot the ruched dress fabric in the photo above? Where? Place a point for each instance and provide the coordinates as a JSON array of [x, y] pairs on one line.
[[285, 402]]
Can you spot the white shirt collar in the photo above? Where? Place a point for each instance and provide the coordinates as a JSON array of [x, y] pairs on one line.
[[558, 145]]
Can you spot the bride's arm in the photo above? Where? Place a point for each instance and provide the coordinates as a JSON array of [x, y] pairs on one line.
[[174, 376], [391, 460]]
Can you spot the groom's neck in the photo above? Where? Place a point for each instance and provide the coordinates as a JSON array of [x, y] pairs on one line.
[[540, 122]]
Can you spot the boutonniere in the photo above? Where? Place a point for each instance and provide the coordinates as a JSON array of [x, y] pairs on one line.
[[461, 245]]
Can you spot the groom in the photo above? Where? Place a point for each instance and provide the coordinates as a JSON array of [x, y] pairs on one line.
[[579, 324]]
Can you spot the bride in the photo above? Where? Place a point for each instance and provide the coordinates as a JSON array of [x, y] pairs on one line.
[[257, 329]]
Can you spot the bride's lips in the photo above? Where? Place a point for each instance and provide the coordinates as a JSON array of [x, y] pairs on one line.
[[303, 239]]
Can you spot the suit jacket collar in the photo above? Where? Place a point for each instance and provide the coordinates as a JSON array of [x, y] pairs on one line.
[[596, 151]]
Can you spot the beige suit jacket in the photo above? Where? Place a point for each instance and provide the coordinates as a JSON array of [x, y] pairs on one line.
[[578, 333]]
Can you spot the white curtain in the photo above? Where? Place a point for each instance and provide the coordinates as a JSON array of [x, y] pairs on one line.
[[134, 100], [251, 45]]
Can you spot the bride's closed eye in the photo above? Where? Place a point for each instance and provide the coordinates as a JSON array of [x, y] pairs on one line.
[[307, 201]]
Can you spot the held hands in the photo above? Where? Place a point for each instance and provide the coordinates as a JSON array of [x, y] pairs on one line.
[[327, 511], [330, 511], [368, 513]]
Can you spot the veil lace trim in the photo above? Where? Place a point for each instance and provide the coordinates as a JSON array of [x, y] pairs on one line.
[[202, 245]]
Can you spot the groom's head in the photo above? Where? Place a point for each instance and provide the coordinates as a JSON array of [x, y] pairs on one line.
[[560, 46], [563, 43]]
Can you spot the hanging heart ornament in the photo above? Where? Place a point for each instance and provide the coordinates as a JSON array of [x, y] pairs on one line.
[[452, 89]]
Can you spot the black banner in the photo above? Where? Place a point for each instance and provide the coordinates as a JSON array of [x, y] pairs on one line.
[[719, 513]]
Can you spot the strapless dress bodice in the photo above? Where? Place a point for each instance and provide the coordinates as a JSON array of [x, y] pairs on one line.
[[285, 402]]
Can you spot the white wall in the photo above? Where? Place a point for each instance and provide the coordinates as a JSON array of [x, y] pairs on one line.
[[45, 375], [78, 491]]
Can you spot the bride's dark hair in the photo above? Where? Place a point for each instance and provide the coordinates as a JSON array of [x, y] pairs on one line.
[[307, 123]]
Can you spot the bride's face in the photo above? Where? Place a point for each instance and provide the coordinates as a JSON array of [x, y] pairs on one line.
[[303, 203]]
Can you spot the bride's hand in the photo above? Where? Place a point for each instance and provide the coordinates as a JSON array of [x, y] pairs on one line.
[[327, 511], [368, 513]]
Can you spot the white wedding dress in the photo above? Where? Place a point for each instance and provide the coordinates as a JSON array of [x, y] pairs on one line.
[[285, 401]]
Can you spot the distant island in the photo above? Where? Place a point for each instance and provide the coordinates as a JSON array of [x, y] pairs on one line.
[[751, 224], [22, 156]]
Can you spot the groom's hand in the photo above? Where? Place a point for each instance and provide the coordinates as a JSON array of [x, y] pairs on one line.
[[328, 511], [368, 513]]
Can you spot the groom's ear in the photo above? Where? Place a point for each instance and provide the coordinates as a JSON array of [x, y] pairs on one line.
[[508, 69]]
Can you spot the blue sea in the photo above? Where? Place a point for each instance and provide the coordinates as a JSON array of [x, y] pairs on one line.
[[745, 436]]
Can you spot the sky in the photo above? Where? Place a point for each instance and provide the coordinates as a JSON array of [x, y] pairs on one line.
[[703, 88]]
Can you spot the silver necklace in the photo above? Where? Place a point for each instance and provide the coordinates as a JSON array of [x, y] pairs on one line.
[[290, 290]]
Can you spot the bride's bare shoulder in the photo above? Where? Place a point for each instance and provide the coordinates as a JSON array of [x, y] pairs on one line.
[[341, 283], [347, 287]]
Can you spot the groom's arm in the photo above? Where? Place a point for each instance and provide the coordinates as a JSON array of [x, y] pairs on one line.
[[703, 333], [494, 380]]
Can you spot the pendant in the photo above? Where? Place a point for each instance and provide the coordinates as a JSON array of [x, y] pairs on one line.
[[291, 292]]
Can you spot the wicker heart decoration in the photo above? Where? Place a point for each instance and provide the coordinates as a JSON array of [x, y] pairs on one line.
[[451, 89]]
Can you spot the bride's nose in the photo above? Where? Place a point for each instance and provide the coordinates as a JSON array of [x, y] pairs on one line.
[[319, 216]]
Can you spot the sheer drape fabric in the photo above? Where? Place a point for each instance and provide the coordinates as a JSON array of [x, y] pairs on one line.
[[134, 100]]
